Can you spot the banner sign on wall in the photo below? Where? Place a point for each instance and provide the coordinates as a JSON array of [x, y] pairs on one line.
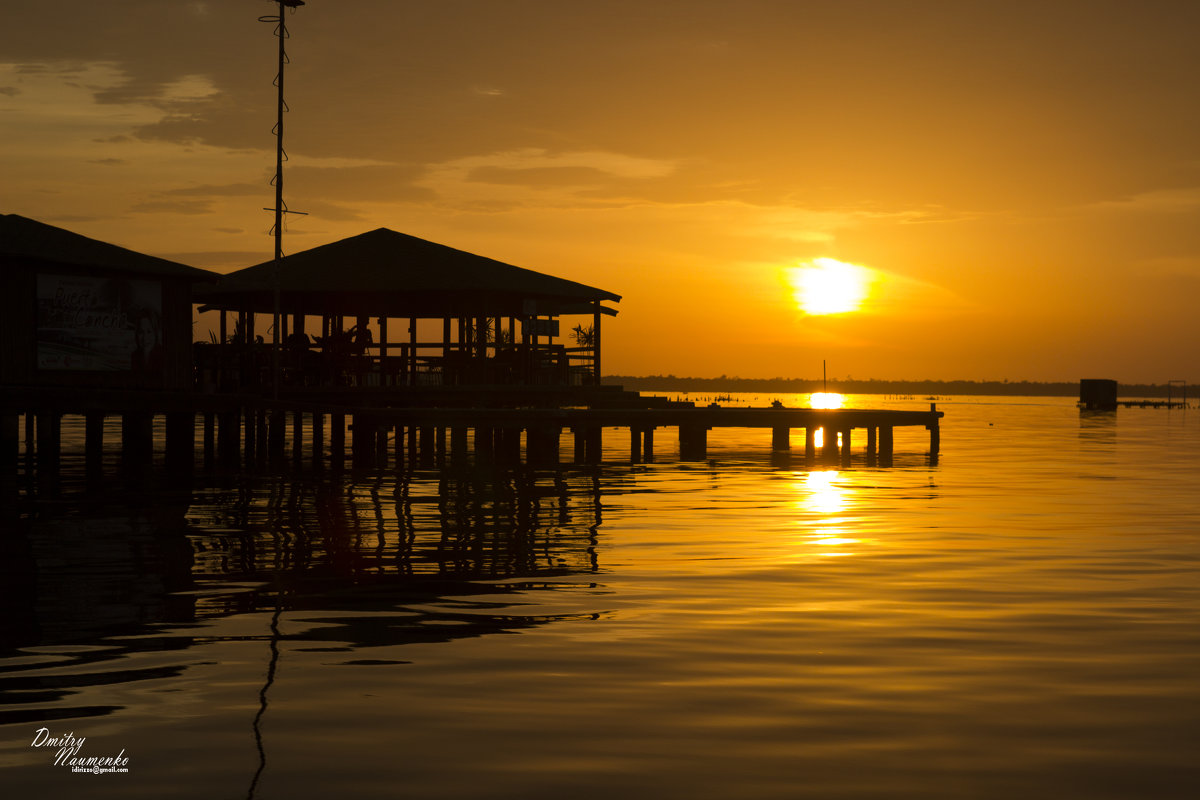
[[107, 324]]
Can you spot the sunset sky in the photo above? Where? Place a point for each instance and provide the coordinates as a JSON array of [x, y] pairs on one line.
[[1016, 183]]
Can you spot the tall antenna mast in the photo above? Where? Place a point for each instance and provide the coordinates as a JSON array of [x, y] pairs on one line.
[[280, 208]]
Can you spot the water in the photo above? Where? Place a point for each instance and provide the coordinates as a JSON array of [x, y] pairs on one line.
[[1021, 619]]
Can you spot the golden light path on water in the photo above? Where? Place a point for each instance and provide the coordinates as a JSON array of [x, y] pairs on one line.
[[822, 495]]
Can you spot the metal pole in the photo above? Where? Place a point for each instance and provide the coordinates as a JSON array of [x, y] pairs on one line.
[[281, 33], [276, 339]]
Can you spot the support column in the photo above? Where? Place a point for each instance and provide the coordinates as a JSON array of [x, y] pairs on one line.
[[829, 443], [810, 442], [846, 447], [781, 439], [425, 446], [229, 432], [596, 315], [181, 443], [693, 443], [635, 445], [297, 437], [935, 440], [337, 441], [362, 441], [137, 441], [885, 443], [485, 444], [541, 446], [10, 456], [210, 439], [49, 445], [458, 444], [318, 439], [648, 445], [93, 444], [276, 435], [262, 433], [251, 436]]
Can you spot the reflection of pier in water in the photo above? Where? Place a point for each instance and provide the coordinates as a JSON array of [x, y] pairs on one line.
[[406, 560], [461, 524]]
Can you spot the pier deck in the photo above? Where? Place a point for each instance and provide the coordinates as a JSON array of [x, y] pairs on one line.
[[230, 430]]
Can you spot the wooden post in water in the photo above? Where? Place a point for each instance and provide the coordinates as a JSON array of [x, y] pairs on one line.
[[580, 441], [210, 439], [362, 441], [846, 447], [229, 430], [250, 435], [267, 432], [935, 435], [648, 445], [93, 444], [381, 445], [485, 444], [181, 443], [49, 445], [829, 444], [425, 446], [781, 439], [318, 439], [297, 437], [10, 455], [137, 442], [635, 445], [885, 444], [337, 440], [810, 443], [458, 444], [541, 446], [693, 442]]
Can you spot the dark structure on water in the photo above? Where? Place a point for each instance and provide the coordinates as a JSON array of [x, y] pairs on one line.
[[395, 351]]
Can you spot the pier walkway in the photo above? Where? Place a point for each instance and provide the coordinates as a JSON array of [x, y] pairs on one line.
[[228, 430]]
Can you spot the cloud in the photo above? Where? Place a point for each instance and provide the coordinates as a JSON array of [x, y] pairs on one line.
[[9, 91], [173, 207], [535, 177], [1158, 201], [222, 190]]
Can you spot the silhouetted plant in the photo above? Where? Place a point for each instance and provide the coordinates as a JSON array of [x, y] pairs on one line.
[[584, 337]]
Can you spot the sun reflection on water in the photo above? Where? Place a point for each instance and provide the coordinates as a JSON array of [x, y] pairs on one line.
[[826, 498]]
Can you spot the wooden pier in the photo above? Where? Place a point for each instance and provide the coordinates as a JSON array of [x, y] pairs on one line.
[[231, 432]]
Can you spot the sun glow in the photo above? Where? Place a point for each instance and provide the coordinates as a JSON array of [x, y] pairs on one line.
[[828, 286]]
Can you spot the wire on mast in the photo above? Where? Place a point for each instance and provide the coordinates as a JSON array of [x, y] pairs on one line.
[[280, 208]]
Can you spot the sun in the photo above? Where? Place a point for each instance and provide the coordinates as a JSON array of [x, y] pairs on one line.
[[828, 286]]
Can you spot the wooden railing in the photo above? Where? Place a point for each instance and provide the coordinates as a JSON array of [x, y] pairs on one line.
[[239, 366]]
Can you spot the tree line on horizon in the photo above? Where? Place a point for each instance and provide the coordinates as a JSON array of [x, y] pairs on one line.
[[725, 383]]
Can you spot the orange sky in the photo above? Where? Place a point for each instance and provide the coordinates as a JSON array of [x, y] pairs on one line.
[[1021, 179]]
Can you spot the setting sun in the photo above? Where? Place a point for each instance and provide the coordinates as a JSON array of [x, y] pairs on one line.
[[828, 286]]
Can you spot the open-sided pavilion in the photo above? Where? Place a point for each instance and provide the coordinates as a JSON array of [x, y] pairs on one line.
[[385, 309]]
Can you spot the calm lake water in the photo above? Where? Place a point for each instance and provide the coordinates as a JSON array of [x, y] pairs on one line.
[[1019, 620]]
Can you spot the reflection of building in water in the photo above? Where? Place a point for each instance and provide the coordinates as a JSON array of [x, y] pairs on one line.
[[394, 562], [470, 524], [93, 572]]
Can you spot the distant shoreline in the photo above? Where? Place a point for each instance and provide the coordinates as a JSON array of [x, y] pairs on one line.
[[926, 388]]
